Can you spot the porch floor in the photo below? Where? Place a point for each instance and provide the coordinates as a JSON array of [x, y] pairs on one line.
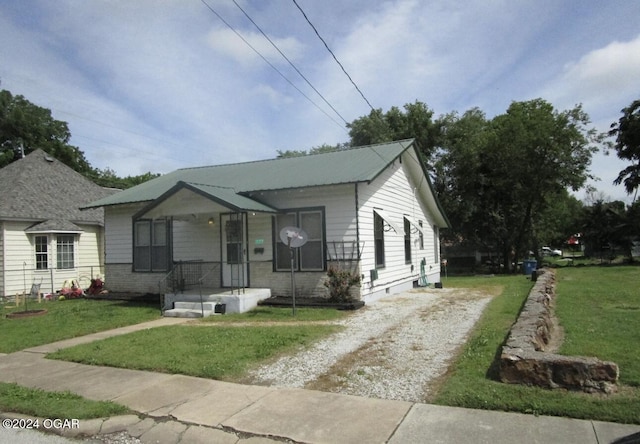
[[188, 303]]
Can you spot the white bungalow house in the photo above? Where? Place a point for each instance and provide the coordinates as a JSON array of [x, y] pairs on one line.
[[370, 209], [45, 238]]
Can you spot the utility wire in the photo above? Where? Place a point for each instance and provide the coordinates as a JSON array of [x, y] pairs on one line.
[[269, 63], [289, 61], [333, 55]]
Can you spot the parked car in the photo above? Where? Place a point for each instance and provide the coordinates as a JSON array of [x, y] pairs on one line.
[[548, 251]]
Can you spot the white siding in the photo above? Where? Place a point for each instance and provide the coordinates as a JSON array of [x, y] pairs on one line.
[[338, 201], [119, 234], [20, 266], [393, 192]]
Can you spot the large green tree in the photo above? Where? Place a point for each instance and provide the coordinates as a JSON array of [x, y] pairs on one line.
[[506, 173], [627, 146], [25, 127], [414, 121]]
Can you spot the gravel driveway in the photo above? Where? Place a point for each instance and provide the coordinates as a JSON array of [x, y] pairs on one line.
[[396, 348]]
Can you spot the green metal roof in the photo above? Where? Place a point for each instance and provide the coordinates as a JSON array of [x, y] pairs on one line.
[[229, 182]]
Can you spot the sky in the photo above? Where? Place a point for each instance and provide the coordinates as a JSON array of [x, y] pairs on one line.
[[157, 85]]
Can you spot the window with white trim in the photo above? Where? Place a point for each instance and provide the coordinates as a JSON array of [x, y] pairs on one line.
[[42, 252], [65, 251]]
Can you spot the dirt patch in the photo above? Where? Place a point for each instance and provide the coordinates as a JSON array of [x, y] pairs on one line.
[[26, 314]]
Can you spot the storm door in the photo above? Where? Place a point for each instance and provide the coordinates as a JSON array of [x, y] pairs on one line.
[[234, 263]]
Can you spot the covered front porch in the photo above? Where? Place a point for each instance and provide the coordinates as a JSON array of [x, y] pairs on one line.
[[208, 235]]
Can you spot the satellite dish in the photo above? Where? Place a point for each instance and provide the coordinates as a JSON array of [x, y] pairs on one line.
[[293, 237]]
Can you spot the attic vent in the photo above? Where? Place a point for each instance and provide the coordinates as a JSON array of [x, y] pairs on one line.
[[48, 158]]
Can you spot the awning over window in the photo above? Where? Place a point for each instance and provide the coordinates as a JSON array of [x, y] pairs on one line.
[[415, 223], [385, 216]]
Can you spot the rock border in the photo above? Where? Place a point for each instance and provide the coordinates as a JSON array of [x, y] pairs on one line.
[[526, 359]]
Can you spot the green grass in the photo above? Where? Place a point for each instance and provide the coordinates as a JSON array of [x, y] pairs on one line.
[[472, 382], [600, 314], [276, 314], [216, 352], [36, 402], [68, 319]]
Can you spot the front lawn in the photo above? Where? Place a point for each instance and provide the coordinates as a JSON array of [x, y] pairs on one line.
[[598, 308], [205, 350], [68, 319]]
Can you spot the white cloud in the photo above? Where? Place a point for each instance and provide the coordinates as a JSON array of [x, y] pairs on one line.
[[228, 43], [608, 76]]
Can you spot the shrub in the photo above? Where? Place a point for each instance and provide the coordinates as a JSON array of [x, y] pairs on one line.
[[339, 282]]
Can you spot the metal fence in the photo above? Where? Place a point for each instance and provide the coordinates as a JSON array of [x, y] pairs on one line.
[[19, 281]]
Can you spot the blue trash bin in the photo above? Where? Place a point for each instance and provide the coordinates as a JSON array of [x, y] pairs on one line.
[[528, 266]]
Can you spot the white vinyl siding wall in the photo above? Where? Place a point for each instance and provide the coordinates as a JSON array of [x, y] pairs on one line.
[[338, 202], [119, 234], [19, 270], [393, 193]]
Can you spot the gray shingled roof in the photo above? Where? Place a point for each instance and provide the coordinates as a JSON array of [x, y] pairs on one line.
[[362, 164], [41, 188]]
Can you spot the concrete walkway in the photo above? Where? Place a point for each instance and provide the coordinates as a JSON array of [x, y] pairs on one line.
[[183, 409]]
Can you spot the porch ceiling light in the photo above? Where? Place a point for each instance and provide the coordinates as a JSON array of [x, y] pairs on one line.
[[211, 221]]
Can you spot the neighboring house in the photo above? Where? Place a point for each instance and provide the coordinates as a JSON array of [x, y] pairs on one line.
[[369, 209], [44, 236]]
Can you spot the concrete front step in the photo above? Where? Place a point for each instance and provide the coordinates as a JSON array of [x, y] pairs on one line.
[[193, 310], [186, 313]]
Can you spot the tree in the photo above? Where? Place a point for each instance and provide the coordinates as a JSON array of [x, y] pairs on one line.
[[324, 148], [415, 122], [25, 127], [604, 229], [108, 178], [627, 146], [456, 173], [499, 178]]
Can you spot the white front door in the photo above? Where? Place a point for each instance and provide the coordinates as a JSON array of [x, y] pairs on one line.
[[234, 264]]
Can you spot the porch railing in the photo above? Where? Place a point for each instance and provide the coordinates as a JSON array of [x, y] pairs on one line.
[[185, 275]]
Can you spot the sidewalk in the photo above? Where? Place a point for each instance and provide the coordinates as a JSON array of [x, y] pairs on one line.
[[183, 409]]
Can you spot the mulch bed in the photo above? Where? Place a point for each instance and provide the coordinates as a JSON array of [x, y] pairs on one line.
[[26, 314], [147, 298], [284, 301]]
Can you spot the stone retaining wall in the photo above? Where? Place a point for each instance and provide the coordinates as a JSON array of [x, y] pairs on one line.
[[525, 361]]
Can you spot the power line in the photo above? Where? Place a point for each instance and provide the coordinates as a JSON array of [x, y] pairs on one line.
[[333, 55], [289, 61], [269, 63]]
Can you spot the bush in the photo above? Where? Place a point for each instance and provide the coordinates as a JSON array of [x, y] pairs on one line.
[[339, 284]]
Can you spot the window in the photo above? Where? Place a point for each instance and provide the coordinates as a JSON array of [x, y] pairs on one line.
[[378, 235], [234, 241], [312, 252], [309, 257], [150, 246], [42, 252], [64, 252], [407, 241], [421, 235]]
